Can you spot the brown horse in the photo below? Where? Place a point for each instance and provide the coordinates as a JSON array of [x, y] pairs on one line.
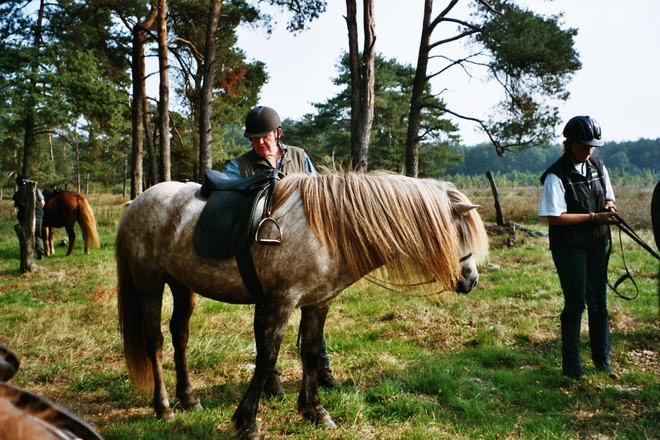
[[335, 230], [63, 210]]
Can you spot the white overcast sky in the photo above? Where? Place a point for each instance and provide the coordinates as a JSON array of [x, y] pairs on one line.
[[618, 43]]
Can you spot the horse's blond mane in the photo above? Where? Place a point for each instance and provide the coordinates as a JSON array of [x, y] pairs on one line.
[[389, 221]]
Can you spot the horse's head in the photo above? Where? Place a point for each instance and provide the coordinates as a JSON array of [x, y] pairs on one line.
[[469, 274], [473, 242]]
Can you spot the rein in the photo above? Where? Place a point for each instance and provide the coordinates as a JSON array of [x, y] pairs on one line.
[[394, 287], [625, 227]]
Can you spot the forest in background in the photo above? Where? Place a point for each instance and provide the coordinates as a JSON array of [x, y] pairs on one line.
[[629, 163]]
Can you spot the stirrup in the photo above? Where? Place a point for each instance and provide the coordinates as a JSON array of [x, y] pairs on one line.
[[268, 241]]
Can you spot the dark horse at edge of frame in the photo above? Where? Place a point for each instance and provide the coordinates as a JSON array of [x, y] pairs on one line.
[[655, 215], [62, 210], [336, 228]]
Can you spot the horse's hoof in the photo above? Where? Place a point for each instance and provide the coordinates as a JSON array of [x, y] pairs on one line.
[[190, 402], [329, 423], [252, 433], [273, 386], [319, 416], [167, 415]]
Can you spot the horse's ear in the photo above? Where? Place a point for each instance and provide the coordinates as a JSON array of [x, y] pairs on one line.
[[464, 208]]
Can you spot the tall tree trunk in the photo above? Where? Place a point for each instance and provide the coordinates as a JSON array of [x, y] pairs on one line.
[[362, 82], [137, 106], [151, 148], [206, 109], [77, 148], [28, 139], [136, 111], [417, 100], [164, 91]]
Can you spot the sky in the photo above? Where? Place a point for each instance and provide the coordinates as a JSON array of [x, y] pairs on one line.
[[618, 44]]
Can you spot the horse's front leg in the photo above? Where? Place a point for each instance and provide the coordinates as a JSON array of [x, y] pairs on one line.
[[184, 304], [270, 321], [46, 239], [72, 239], [51, 240], [311, 332]]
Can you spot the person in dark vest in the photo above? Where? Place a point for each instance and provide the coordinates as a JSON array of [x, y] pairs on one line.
[[20, 202], [578, 201], [264, 129]]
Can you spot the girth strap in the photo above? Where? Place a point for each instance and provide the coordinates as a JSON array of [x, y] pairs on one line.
[[249, 274]]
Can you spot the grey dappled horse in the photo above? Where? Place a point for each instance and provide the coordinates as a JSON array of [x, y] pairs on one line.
[[336, 228]]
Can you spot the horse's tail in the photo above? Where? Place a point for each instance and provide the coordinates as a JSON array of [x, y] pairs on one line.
[[87, 222], [131, 323]]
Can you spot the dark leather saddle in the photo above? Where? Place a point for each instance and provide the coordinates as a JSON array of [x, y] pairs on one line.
[[235, 214]]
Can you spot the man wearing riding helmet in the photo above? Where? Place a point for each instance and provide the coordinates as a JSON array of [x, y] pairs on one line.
[[264, 129], [578, 201]]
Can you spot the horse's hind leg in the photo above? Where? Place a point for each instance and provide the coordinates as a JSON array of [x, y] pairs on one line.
[[72, 239], [312, 323], [184, 304], [151, 297], [270, 321]]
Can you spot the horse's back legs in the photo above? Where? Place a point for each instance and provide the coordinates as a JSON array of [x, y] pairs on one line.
[[184, 304], [312, 323], [151, 299]]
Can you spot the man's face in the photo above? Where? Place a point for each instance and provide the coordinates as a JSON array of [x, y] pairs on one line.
[[267, 146]]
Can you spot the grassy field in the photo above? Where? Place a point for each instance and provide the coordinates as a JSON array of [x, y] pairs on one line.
[[483, 365]]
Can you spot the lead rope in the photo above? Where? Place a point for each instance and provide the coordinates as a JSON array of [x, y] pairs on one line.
[[626, 276], [625, 227]]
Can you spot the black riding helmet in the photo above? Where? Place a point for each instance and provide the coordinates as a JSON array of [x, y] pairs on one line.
[[261, 121], [585, 130]]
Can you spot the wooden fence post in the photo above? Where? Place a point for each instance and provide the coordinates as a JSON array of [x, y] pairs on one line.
[[496, 195], [25, 230]]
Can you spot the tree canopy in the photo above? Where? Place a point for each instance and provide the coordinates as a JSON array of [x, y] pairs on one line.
[[326, 135], [75, 107]]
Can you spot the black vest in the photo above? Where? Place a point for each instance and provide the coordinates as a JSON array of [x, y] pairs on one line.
[[583, 195]]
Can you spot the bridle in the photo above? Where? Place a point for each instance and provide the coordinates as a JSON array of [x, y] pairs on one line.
[[465, 258]]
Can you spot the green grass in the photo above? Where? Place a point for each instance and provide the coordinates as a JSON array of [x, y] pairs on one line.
[[482, 365]]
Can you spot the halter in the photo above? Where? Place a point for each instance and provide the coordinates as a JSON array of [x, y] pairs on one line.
[[467, 257]]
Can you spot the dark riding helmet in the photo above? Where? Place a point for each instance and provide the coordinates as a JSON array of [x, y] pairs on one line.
[[261, 121], [20, 179], [585, 130]]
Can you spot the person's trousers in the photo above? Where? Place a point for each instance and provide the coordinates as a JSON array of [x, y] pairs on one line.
[[38, 241], [583, 277]]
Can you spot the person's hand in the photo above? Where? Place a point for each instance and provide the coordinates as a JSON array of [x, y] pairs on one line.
[[604, 218], [609, 206]]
